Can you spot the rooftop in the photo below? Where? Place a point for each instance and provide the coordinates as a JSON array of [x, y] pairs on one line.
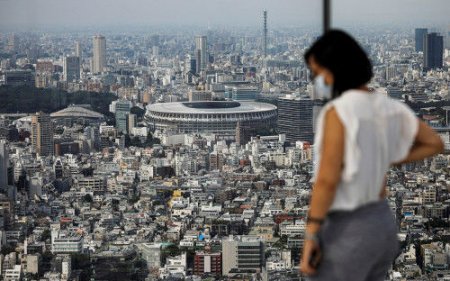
[[77, 111], [216, 107]]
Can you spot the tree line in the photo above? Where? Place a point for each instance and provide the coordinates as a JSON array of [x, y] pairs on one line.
[[27, 99]]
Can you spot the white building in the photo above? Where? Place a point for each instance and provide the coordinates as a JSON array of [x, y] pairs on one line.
[[14, 274], [293, 229], [174, 266], [66, 242], [151, 253]]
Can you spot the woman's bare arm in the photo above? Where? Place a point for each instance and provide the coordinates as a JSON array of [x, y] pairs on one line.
[[329, 172], [427, 143]]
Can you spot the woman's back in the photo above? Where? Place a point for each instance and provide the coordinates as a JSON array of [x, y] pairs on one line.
[[378, 132], [350, 232]]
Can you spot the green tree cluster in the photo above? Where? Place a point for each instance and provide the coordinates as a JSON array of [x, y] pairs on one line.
[[26, 99]]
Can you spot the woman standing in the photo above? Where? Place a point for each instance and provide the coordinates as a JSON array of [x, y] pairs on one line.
[[351, 232]]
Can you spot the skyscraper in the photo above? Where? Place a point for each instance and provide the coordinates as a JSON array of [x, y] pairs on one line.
[[198, 59], [433, 51], [420, 37], [192, 63], [122, 109], [58, 169], [295, 117], [131, 121], [4, 160], [202, 52], [71, 68], [265, 34], [42, 134], [99, 54], [78, 51], [447, 41], [13, 43]]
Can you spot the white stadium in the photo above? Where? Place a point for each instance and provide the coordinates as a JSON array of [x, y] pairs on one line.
[[217, 117]]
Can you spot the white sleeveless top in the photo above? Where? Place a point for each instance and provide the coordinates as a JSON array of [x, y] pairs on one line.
[[378, 131]]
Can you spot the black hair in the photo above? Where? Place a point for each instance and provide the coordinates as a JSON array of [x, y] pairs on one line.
[[343, 56]]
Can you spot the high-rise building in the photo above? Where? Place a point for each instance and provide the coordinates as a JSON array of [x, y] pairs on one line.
[[447, 41], [242, 93], [43, 66], [13, 43], [4, 160], [242, 253], [433, 51], [244, 132], [202, 51], [155, 40], [78, 51], [421, 33], [19, 77], [43, 75], [71, 68], [295, 117], [99, 54], [122, 109], [199, 96], [198, 60], [192, 63], [58, 169], [216, 161], [391, 72], [265, 34], [42, 134], [131, 122]]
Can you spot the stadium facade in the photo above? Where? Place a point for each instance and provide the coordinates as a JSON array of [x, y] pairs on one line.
[[217, 117]]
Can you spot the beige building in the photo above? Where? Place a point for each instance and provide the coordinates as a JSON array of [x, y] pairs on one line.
[[99, 54], [33, 262], [42, 134], [199, 96]]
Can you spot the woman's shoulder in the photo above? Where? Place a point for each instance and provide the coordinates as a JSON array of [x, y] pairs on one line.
[[349, 103], [361, 101], [390, 105]]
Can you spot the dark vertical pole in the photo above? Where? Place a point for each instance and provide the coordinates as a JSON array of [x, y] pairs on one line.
[[326, 15]]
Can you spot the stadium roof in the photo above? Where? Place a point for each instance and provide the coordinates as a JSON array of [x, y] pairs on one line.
[[77, 111], [217, 107]]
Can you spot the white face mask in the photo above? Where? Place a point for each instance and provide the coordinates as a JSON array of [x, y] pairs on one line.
[[321, 90]]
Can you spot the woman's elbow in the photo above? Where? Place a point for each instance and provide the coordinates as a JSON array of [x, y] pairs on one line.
[[327, 183]]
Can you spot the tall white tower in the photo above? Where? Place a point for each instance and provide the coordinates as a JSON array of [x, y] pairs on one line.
[[265, 34], [99, 54]]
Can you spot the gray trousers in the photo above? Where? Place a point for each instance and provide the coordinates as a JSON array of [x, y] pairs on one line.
[[358, 245]]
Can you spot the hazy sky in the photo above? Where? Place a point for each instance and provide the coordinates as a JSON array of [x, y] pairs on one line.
[[34, 13]]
